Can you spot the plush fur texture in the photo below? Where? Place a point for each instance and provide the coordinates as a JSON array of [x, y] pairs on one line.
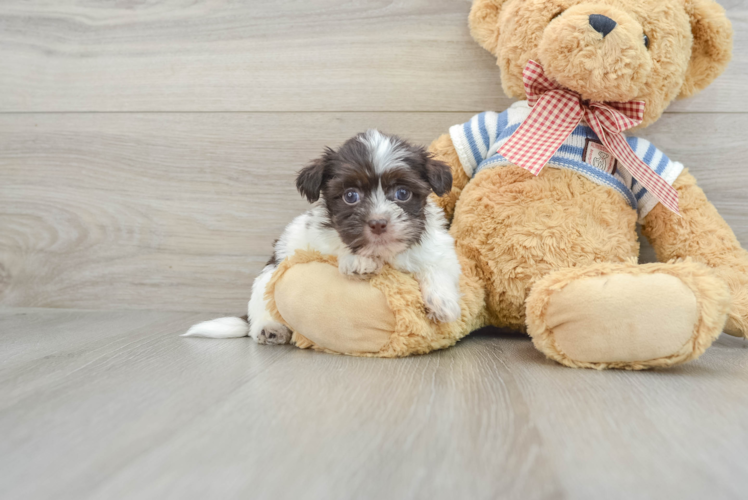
[[690, 43], [702, 234], [519, 227], [521, 238]]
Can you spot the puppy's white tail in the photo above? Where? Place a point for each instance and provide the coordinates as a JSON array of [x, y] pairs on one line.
[[221, 328]]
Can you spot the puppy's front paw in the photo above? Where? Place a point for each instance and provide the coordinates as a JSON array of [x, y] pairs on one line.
[[443, 307], [271, 333], [353, 265]]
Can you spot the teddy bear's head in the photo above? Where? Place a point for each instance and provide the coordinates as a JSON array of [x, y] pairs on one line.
[[608, 50]]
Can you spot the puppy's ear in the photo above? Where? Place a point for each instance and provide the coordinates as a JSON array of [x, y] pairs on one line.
[[438, 175], [310, 179]]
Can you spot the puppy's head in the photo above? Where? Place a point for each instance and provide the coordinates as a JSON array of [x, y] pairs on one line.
[[375, 189]]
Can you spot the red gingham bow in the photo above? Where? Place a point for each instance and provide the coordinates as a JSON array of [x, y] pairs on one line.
[[557, 111]]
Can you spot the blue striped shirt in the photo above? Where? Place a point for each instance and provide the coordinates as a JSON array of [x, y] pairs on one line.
[[477, 143]]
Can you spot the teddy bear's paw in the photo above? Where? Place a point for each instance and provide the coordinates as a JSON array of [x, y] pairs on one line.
[[358, 265], [626, 315], [441, 305], [272, 333]]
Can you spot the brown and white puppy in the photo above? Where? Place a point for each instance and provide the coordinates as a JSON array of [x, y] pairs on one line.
[[370, 206]]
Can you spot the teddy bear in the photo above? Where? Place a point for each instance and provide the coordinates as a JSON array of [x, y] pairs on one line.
[[546, 199]]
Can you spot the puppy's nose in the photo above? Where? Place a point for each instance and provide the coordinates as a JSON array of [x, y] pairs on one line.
[[378, 226], [602, 24]]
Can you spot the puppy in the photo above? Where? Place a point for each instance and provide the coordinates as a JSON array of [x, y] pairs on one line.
[[370, 206]]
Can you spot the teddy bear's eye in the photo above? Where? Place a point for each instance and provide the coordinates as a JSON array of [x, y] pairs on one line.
[[646, 41]]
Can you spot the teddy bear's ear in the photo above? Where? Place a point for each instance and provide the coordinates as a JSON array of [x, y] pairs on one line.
[[484, 23], [712, 45]]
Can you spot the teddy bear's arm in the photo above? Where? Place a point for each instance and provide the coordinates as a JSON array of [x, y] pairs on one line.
[[443, 149], [701, 233]]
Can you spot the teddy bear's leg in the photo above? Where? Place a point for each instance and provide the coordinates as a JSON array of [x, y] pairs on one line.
[[702, 234], [625, 315], [383, 316]]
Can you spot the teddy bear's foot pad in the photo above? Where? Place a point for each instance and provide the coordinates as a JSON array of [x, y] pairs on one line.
[[622, 317], [334, 311], [627, 320]]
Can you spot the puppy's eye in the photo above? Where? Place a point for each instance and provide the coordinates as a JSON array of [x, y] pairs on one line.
[[402, 194], [646, 41], [351, 196]]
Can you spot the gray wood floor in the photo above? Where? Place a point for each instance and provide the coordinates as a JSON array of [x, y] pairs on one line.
[[113, 404], [147, 156]]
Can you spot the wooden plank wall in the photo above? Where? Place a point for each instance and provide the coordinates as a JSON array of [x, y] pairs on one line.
[[148, 149]]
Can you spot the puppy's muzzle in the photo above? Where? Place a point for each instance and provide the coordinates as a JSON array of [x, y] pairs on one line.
[[378, 226]]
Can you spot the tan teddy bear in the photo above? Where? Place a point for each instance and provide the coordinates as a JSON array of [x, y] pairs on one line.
[[555, 254]]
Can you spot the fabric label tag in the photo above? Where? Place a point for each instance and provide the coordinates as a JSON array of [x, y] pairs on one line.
[[599, 157]]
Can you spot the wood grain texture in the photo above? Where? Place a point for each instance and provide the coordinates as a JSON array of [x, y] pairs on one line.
[[147, 156], [178, 211], [113, 404], [289, 55]]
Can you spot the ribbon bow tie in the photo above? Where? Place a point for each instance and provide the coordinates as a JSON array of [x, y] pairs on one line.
[[557, 111]]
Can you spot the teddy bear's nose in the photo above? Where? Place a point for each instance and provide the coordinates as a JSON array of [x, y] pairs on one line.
[[602, 24]]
